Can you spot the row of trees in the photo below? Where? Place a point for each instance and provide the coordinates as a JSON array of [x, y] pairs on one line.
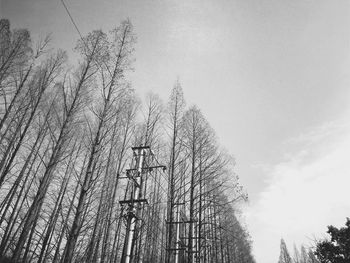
[[65, 134], [335, 249], [299, 256]]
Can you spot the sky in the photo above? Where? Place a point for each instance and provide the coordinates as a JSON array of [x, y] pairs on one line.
[[271, 76]]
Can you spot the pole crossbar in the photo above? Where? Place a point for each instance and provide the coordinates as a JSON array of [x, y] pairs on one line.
[[131, 201]]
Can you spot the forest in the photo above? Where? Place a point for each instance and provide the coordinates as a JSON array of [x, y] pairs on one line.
[[89, 172]]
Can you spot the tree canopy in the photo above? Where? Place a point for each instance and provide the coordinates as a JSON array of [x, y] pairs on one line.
[[337, 249]]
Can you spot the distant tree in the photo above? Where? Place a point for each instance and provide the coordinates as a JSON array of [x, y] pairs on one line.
[[284, 254], [297, 257], [311, 257], [303, 255], [337, 249]]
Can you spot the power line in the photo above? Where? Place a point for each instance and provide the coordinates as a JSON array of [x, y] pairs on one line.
[[82, 39], [71, 18]]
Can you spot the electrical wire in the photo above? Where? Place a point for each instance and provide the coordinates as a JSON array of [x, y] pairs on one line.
[[81, 37]]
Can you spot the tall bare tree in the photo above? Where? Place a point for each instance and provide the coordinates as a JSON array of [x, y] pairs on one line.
[[114, 63]]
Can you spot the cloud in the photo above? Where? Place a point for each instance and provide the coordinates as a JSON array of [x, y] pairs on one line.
[[304, 193]]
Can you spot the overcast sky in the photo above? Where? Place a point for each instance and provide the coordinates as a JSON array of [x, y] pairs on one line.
[[272, 77]]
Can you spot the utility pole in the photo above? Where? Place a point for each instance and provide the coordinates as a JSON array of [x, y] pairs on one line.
[[135, 198], [177, 244], [178, 239], [178, 223]]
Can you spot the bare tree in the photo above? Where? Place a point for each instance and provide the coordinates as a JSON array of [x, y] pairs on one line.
[[176, 110], [115, 62], [64, 135], [72, 105], [284, 254]]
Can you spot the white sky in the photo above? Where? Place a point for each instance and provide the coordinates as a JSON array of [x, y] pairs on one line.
[[271, 76]]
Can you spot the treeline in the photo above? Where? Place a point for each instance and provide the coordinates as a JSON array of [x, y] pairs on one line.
[[65, 136], [299, 256], [335, 249]]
